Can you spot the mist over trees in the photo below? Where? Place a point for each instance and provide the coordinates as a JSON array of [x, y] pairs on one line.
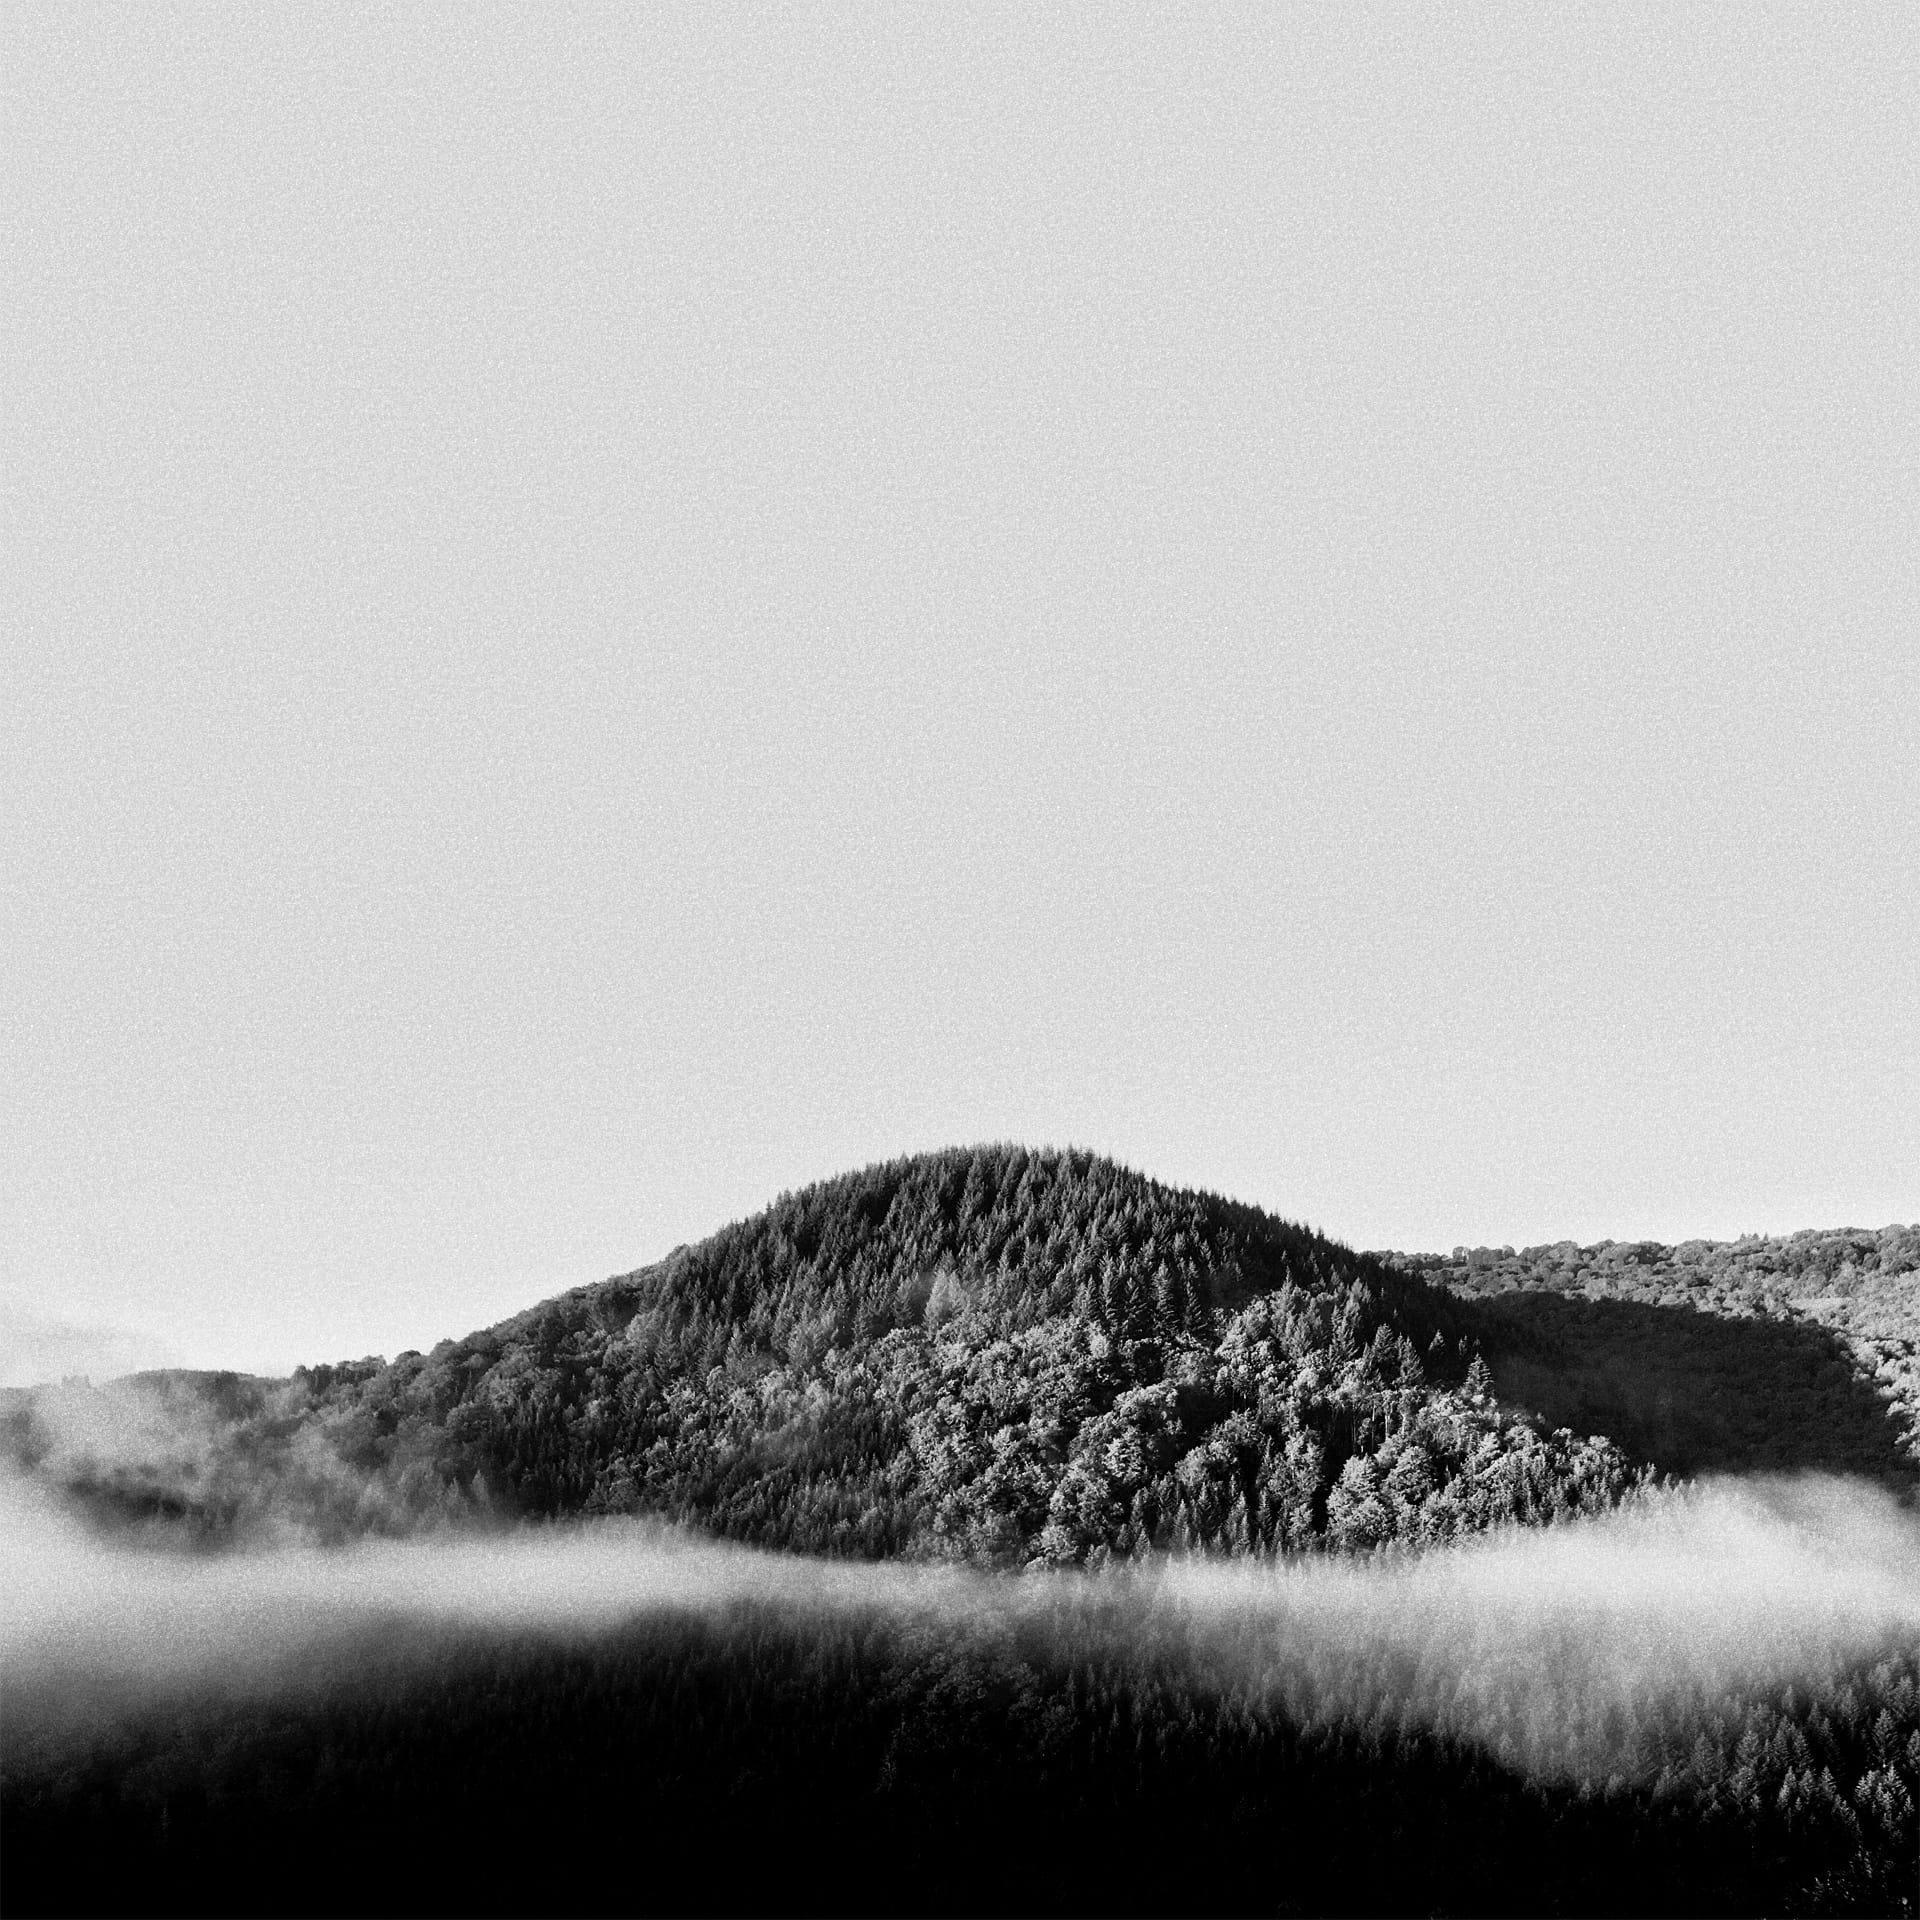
[[758, 1760]]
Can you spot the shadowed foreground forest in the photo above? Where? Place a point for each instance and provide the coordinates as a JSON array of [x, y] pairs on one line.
[[758, 1763], [1020, 1363]]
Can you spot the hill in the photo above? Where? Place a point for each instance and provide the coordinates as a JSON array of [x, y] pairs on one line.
[[991, 1353], [1767, 1353]]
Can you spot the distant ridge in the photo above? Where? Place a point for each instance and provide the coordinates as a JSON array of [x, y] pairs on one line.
[[1771, 1352]]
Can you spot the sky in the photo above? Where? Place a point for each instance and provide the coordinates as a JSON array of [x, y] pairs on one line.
[[611, 610]]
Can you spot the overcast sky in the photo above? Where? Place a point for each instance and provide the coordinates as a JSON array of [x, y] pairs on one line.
[[611, 610]]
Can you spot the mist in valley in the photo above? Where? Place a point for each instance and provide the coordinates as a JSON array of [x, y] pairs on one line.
[[1557, 1649]]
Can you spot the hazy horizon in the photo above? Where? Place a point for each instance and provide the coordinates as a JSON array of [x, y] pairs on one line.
[[608, 615]]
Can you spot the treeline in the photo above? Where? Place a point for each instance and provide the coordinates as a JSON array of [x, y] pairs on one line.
[[996, 1354], [763, 1761], [1758, 1273]]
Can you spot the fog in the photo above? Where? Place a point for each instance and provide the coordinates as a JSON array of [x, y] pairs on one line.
[[1566, 1649], [1551, 1647]]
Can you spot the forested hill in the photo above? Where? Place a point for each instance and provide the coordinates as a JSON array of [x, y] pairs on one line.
[[1773, 1352], [1006, 1355]]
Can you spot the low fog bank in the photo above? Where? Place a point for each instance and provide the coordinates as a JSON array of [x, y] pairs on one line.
[[1571, 1649], [1552, 1647], [72, 1597]]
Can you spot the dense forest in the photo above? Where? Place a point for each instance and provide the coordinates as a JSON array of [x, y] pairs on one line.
[[760, 1761], [1798, 1351], [998, 1355]]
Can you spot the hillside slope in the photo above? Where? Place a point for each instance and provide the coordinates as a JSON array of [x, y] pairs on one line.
[[992, 1353], [1767, 1353]]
